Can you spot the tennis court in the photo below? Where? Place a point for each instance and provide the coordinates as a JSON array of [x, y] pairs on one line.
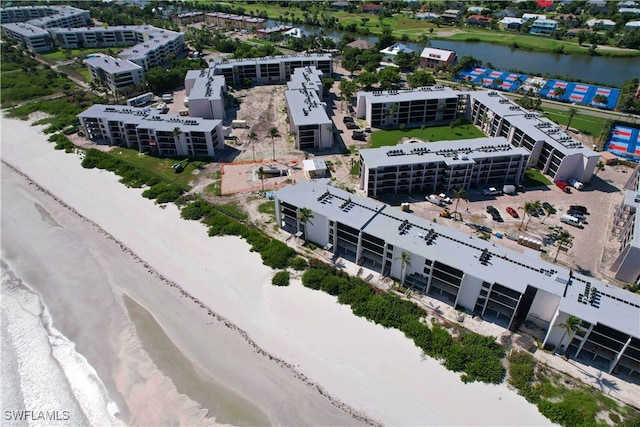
[[624, 142]]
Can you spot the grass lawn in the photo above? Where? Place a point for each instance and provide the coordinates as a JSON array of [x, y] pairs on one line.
[[15, 87], [438, 133], [268, 207], [534, 178], [63, 54], [159, 166], [591, 125]]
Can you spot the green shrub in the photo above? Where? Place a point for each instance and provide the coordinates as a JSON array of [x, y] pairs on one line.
[[313, 278], [298, 263], [414, 329], [441, 340], [276, 254], [163, 192], [281, 278]]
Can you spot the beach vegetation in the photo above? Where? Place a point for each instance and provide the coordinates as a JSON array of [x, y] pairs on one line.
[[62, 142], [479, 358], [298, 263], [281, 278], [131, 175], [164, 192]]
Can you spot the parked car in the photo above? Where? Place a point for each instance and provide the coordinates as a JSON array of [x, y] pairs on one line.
[[541, 211], [546, 205], [512, 212], [445, 199], [579, 208], [491, 209], [434, 198], [351, 125], [491, 191], [347, 119], [533, 212], [497, 217], [359, 135]]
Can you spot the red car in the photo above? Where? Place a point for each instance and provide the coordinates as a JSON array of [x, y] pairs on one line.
[[512, 212]]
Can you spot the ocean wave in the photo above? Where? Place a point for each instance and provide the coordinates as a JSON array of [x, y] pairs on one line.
[[56, 385]]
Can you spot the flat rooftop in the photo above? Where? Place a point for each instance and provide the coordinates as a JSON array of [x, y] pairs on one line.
[[306, 108], [448, 152], [617, 308], [428, 92], [112, 65]]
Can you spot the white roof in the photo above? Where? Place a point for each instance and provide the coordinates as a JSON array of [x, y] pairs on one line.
[[594, 21], [395, 49], [314, 165], [439, 54], [527, 16], [633, 24], [508, 20]]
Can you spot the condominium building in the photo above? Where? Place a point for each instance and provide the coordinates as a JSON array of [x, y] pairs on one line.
[[90, 37], [232, 21], [423, 106], [270, 69], [626, 226], [148, 131], [46, 16], [205, 93], [311, 127], [28, 24], [501, 285], [34, 38], [553, 151], [156, 46], [443, 166], [188, 18], [116, 74]]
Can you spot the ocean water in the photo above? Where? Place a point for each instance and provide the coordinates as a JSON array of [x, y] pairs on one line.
[[45, 381]]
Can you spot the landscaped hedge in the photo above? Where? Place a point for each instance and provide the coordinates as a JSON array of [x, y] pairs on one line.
[[479, 357]]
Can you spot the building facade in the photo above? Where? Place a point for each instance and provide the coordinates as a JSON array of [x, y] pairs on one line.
[[231, 21], [626, 227], [206, 93], [441, 166], [116, 74], [271, 69], [502, 286], [553, 151], [34, 38], [543, 27], [423, 106], [310, 125], [150, 132]]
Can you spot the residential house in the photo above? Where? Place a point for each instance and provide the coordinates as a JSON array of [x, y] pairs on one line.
[[479, 21], [432, 57], [632, 25], [543, 27], [601, 24], [508, 23], [339, 5], [508, 12], [361, 44], [371, 8], [451, 15], [389, 53]]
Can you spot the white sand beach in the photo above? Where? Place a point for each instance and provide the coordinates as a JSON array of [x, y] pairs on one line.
[[293, 356]]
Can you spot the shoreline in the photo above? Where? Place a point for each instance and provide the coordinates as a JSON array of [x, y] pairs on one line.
[[133, 305], [354, 361]]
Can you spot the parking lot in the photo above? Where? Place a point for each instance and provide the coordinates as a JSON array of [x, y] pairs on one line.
[[594, 248]]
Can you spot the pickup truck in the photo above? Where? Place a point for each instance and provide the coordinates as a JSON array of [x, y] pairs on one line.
[[562, 185], [435, 199], [445, 199], [576, 184]]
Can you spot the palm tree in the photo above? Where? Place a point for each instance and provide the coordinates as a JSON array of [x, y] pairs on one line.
[[304, 216], [550, 211], [460, 194], [405, 261], [261, 176], [526, 208], [273, 133], [535, 207], [253, 138], [572, 112], [559, 92], [571, 326], [564, 238]]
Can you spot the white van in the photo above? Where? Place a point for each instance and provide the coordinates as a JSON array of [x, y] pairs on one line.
[[571, 220]]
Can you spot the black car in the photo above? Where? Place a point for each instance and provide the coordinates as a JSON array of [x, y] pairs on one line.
[[347, 119], [359, 135], [541, 212], [496, 217], [546, 205], [491, 210], [533, 212], [578, 208], [351, 125]]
